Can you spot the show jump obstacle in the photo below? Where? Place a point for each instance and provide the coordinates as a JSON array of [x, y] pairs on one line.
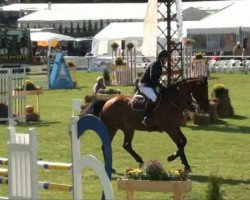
[[22, 173], [9, 80]]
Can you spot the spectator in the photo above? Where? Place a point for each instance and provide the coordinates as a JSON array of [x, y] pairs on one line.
[[237, 51], [221, 56], [215, 56], [99, 86]]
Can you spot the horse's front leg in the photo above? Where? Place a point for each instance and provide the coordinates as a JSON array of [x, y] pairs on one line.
[[177, 153], [127, 145], [175, 136]]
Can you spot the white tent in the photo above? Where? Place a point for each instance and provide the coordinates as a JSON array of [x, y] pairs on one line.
[[225, 21], [220, 31], [129, 31], [47, 36]]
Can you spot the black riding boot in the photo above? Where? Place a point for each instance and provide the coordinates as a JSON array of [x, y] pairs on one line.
[[148, 112]]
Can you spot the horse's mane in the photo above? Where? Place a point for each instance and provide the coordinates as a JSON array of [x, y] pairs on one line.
[[179, 83]]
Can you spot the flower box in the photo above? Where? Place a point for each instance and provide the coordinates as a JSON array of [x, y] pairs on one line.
[[175, 187], [27, 92]]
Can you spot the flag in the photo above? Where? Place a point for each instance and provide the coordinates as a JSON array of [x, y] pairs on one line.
[[179, 23], [149, 44]]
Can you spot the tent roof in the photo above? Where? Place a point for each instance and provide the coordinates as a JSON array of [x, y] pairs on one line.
[[90, 12], [46, 36], [236, 15], [125, 30], [201, 5], [95, 11]]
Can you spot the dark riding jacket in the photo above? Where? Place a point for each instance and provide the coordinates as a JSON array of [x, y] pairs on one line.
[[151, 77]]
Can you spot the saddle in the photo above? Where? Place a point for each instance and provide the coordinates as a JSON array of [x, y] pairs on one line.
[[139, 101]]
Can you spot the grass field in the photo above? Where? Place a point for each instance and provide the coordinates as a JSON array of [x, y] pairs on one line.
[[221, 148]]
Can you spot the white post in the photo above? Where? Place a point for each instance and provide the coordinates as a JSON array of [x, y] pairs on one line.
[[22, 166], [76, 151]]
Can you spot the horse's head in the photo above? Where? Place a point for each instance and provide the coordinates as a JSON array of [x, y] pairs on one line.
[[185, 91], [198, 87]]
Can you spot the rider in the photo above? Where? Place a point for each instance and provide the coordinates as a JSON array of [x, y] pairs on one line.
[[149, 83]]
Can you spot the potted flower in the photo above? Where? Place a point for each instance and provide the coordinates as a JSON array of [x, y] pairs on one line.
[[130, 46], [188, 41], [114, 46], [199, 55], [119, 61]]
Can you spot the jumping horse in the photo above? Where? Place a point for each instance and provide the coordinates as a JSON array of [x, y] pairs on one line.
[[118, 113]]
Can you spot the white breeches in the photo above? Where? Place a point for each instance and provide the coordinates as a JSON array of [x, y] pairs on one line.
[[149, 92]]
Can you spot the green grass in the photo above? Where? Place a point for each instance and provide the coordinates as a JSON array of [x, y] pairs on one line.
[[221, 147]]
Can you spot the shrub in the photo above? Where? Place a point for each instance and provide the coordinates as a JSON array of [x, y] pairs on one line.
[[213, 189], [71, 64], [219, 91]]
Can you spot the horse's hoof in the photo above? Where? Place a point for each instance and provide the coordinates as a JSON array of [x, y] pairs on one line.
[[141, 165], [187, 171], [171, 158]]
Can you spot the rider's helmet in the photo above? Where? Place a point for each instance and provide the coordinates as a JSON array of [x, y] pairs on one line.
[[162, 54]]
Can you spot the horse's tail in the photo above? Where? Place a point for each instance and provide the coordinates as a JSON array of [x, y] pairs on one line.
[[94, 108]]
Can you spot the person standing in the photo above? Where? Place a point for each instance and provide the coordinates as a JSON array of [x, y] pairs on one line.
[[237, 51], [149, 84]]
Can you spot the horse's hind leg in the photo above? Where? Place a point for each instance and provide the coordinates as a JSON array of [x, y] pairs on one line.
[[175, 136], [127, 145], [177, 153]]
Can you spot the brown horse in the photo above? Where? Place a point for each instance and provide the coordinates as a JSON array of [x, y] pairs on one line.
[[117, 113]]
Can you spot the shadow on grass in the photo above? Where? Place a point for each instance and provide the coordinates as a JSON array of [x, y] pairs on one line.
[[221, 125], [212, 78], [204, 179], [80, 87], [39, 123]]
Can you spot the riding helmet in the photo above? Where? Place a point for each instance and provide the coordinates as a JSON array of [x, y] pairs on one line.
[[162, 54]]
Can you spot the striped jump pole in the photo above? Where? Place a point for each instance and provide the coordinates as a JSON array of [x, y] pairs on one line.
[[55, 165], [45, 185], [45, 165], [4, 172]]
